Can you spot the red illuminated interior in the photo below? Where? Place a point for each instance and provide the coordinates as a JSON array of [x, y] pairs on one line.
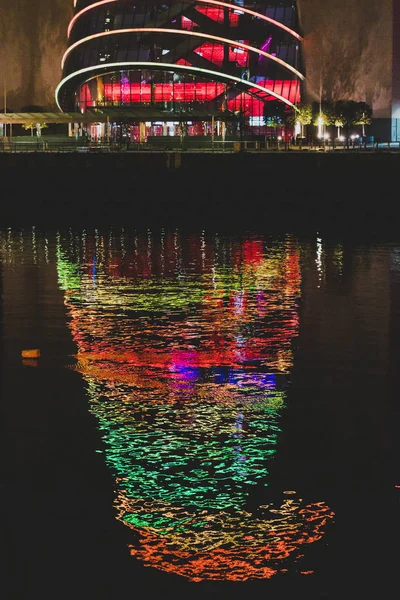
[[217, 14], [193, 92], [162, 92], [215, 53]]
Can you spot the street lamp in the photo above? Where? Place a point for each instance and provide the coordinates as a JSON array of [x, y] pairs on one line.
[[5, 90], [320, 123]]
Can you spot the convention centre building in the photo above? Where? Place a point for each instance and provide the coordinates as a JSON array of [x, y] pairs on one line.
[[182, 67]]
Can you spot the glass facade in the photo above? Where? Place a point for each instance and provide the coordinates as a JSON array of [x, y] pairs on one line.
[[185, 57]]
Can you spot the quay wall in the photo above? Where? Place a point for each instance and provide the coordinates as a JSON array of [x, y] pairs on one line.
[[166, 185]]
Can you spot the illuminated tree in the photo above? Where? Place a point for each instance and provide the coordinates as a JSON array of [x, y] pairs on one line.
[[303, 116], [34, 108], [277, 114], [364, 115], [351, 113], [321, 116], [32, 126], [274, 113]]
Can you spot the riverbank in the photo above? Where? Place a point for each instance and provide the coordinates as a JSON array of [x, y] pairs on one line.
[[162, 185]]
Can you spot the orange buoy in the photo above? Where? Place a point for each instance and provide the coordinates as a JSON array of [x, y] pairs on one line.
[[35, 353]]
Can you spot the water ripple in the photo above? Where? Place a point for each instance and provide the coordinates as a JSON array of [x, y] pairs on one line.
[[186, 345]]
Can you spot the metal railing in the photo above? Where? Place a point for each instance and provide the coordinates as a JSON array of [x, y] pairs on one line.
[[187, 145]]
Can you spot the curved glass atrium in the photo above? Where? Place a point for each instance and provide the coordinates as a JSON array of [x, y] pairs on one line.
[[181, 62]]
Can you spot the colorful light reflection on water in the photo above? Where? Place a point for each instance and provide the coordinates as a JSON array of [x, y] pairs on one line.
[[186, 347]]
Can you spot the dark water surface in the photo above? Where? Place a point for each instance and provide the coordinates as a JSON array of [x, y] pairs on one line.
[[213, 414]]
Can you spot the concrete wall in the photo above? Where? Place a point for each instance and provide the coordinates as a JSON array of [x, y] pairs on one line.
[[32, 41]]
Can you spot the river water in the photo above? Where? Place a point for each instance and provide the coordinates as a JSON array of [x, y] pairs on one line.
[[212, 413]]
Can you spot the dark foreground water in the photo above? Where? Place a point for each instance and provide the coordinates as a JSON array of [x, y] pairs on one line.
[[213, 415]]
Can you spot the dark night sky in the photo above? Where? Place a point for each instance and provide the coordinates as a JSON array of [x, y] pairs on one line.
[[348, 41]]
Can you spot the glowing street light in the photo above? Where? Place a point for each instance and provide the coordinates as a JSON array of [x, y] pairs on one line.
[[5, 90], [320, 124]]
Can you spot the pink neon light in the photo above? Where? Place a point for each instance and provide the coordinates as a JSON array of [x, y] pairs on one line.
[[217, 14], [180, 32], [253, 107], [254, 14], [246, 103], [215, 2], [215, 54], [85, 96], [264, 93], [187, 23], [288, 89], [189, 92], [182, 61]]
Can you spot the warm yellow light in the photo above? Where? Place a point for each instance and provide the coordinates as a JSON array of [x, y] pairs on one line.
[[320, 126]]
